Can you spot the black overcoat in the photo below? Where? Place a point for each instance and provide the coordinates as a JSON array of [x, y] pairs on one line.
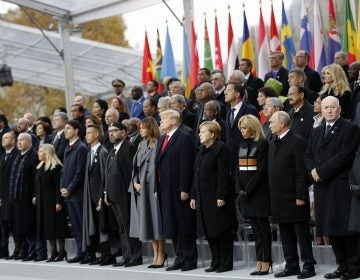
[[288, 179], [210, 183], [333, 158], [354, 179]]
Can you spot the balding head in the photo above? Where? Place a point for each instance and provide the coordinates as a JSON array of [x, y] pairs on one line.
[[22, 125], [279, 123], [330, 109], [24, 142]]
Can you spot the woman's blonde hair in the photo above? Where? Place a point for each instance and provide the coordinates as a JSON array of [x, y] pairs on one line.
[[251, 122], [213, 127], [51, 159], [340, 83]]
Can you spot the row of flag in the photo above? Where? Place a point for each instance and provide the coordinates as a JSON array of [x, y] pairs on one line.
[[311, 42]]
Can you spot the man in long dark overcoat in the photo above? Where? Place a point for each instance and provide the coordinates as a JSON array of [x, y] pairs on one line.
[[290, 197], [329, 157], [174, 167]]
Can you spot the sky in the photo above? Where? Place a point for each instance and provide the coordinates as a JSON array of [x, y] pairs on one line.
[[159, 16]]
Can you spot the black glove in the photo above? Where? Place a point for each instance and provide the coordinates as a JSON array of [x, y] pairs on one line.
[[243, 194], [355, 189]]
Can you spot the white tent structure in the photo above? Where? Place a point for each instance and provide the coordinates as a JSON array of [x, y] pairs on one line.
[[86, 66]]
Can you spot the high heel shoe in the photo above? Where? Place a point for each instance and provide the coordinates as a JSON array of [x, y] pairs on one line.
[[53, 257], [161, 265], [258, 268], [266, 272], [62, 255]]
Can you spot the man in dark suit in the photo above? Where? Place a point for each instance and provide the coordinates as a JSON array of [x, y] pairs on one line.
[[174, 165], [72, 182], [178, 102], [205, 93], [278, 72], [22, 126], [133, 131], [301, 114], [234, 95], [4, 127], [341, 58], [329, 157], [298, 78], [290, 197], [313, 79], [219, 81], [253, 83], [58, 139], [10, 152], [118, 171], [93, 191]]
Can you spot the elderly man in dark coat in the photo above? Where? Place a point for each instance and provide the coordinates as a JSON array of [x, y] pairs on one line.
[[329, 158], [354, 221], [118, 172], [174, 165], [6, 160], [290, 197], [93, 191]]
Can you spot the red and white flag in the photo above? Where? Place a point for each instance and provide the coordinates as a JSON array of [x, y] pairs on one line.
[[275, 44], [218, 58], [264, 50]]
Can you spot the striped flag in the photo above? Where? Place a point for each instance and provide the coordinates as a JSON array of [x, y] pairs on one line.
[[349, 37], [319, 48], [194, 56], [218, 57], [334, 43], [275, 44], [232, 49], [247, 50], [185, 73], [264, 50]]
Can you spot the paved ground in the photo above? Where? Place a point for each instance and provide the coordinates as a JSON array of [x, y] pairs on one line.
[[17, 270]]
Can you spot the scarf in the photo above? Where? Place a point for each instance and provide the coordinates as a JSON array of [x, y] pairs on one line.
[[16, 189]]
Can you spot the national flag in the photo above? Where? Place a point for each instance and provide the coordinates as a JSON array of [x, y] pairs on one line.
[[287, 43], [349, 37], [319, 48], [305, 33], [194, 56], [218, 57], [334, 42], [208, 63], [275, 44], [168, 63], [185, 71], [159, 58], [264, 50], [232, 50], [358, 36], [247, 50], [147, 66]]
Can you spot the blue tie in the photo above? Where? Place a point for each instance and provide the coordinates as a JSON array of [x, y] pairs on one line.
[[327, 130]]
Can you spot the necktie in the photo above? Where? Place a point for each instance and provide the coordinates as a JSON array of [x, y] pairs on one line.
[[327, 129], [232, 116], [7, 156], [166, 140], [56, 138], [92, 156]]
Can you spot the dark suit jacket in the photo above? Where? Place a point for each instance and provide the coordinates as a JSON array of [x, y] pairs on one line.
[[59, 145], [5, 129], [332, 157], [118, 176], [188, 118], [254, 82], [233, 134], [314, 82], [282, 77], [174, 167], [302, 121], [73, 171]]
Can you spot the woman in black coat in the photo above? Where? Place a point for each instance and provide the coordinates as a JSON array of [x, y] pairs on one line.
[[51, 216], [211, 197], [253, 189]]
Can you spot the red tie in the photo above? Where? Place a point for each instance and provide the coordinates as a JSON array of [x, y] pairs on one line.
[[166, 140]]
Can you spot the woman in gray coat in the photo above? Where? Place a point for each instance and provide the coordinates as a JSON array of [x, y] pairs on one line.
[[144, 208]]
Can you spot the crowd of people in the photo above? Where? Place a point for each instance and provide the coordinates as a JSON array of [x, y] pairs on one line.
[[154, 165]]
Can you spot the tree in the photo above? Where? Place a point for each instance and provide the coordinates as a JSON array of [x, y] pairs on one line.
[[41, 100]]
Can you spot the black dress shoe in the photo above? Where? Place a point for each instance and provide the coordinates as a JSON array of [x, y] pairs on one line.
[[122, 262], [350, 275], [75, 259], [306, 274], [110, 260], [29, 258], [188, 267], [11, 257], [20, 257], [87, 259], [287, 272], [133, 263], [96, 261], [40, 258], [211, 269], [336, 274], [224, 269], [175, 267], [4, 255]]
